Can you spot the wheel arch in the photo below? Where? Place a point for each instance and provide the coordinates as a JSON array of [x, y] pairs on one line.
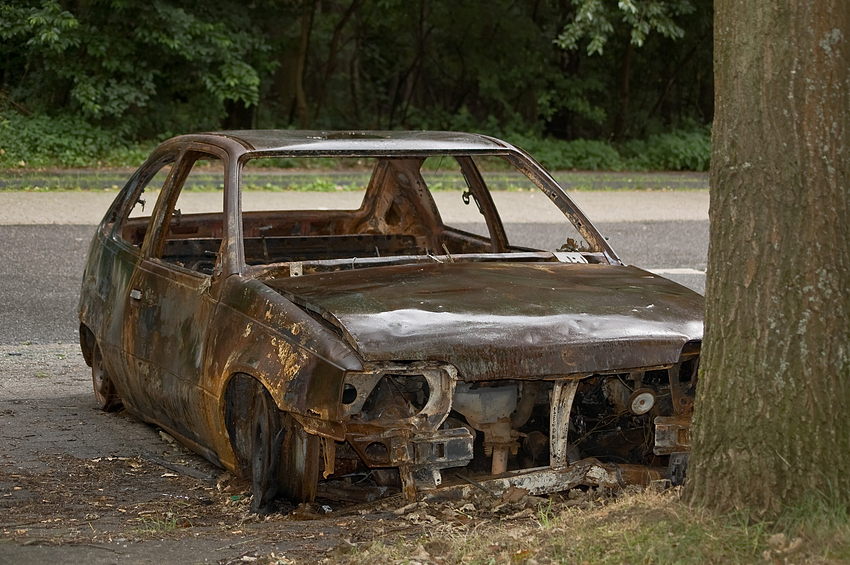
[[304, 385]]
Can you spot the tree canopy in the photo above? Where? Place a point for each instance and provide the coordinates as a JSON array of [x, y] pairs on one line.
[[565, 68]]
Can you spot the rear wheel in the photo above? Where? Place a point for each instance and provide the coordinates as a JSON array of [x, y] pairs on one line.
[[104, 390]]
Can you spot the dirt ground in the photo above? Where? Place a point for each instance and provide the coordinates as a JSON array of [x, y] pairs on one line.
[[81, 485]]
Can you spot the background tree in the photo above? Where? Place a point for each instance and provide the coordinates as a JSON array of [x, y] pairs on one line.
[[136, 66], [495, 65], [122, 70], [595, 20], [772, 424]]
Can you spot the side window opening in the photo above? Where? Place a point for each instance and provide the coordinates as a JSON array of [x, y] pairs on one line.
[[145, 200], [534, 222], [135, 220], [450, 187], [194, 224]]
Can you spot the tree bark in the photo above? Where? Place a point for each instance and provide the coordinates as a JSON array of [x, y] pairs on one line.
[[772, 421]]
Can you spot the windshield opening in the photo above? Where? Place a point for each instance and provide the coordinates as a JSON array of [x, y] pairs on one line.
[[368, 211]]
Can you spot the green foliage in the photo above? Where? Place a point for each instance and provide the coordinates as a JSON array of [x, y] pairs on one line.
[[66, 141], [593, 21], [678, 150], [40, 141], [580, 154], [141, 70], [125, 64], [45, 27], [578, 96]]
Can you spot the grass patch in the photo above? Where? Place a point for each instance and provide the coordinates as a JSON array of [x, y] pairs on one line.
[[639, 527], [161, 522], [309, 184]]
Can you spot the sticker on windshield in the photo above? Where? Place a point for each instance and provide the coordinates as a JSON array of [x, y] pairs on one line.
[[569, 257]]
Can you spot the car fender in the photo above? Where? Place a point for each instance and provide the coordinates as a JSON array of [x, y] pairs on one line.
[[259, 333]]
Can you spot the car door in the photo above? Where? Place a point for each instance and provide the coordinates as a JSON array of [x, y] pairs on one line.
[[171, 297], [113, 258]]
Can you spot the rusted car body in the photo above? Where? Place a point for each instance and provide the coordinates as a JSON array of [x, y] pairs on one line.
[[379, 348]]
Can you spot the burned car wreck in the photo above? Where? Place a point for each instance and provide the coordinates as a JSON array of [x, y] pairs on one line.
[[411, 343]]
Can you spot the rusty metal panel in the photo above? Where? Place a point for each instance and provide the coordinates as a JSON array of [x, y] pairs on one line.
[[546, 480], [672, 434], [507, 319], [559, 420]]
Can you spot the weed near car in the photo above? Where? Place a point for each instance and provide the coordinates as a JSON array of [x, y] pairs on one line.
[[158, 522]]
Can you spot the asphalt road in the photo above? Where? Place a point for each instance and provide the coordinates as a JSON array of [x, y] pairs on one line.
[[44, 239]]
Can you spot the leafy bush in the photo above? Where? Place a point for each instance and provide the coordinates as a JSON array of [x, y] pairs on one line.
[[678, 150], [38, 141], [581, 154], [68, 141]]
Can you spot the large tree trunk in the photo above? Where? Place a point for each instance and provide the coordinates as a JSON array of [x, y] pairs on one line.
[[772, 422]]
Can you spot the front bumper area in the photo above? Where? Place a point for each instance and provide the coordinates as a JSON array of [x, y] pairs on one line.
[[536, 436]]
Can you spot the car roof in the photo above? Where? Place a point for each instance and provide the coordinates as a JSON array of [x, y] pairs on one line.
[[378, 142]]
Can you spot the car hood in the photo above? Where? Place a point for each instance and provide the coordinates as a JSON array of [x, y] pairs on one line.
[[500, 320]]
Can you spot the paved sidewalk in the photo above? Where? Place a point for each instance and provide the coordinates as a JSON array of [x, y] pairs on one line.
[[87, 208]]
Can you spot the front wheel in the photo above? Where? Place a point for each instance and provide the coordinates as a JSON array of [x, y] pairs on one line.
[[273, 449], [265, 439]]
